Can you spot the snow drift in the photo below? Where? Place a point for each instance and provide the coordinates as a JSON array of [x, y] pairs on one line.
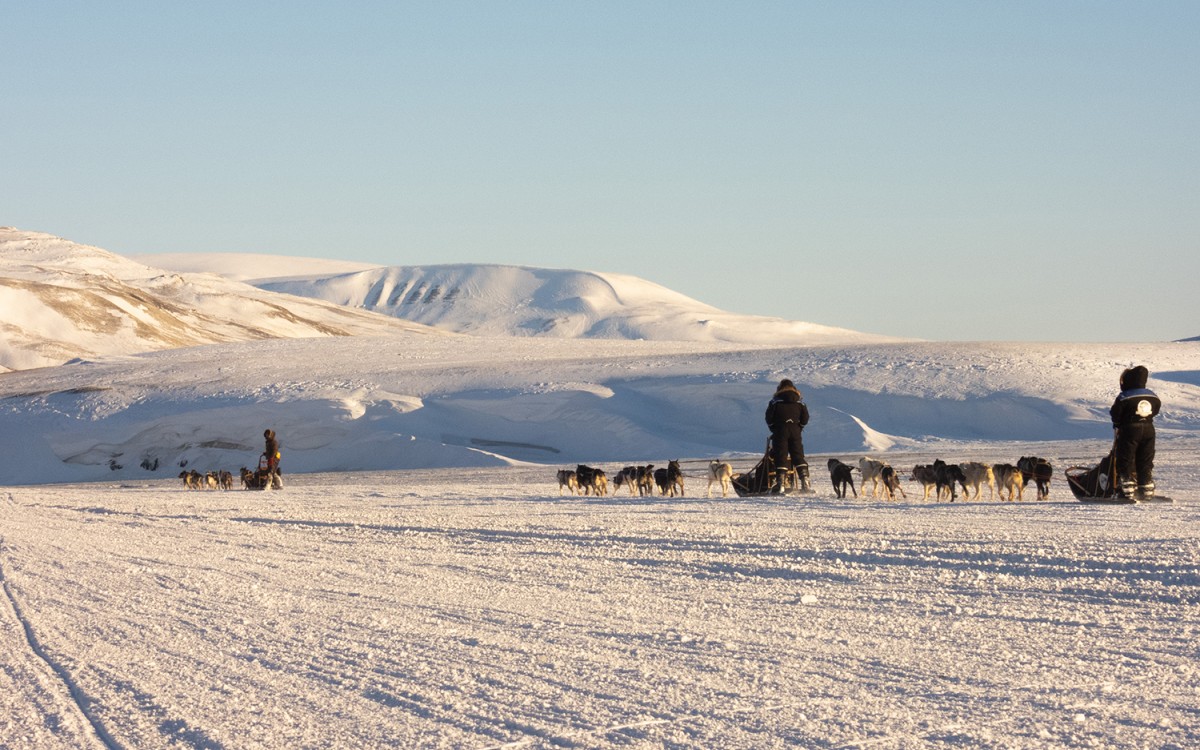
[[412, 401]]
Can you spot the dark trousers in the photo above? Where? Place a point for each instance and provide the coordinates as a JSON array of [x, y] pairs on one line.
[[1135, 452], [786, 442]]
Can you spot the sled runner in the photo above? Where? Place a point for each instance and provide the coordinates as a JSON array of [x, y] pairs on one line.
[[761, 479], [1097, 484]]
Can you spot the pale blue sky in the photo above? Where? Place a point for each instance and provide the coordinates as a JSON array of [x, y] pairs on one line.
[[944, 170]]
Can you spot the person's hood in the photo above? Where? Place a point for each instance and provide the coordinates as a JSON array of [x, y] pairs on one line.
[[1134, 377]]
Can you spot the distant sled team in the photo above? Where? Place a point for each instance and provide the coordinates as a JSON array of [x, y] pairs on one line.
[[267, 476], [213, 480]]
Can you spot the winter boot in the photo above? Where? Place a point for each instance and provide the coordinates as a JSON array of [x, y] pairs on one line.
[[802, 471], [1127, 489], [1145, 491], [776, 483]]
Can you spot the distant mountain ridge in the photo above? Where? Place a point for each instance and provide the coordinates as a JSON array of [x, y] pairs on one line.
[[62, 301], [485, 299]]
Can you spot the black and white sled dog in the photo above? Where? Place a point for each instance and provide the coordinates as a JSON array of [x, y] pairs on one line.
[[841, 474], [882, 477], [891, 482]]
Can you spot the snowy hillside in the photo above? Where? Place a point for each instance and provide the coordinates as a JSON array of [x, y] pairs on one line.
[[62, 301], [498, 300], [251, 266], [413, 401]]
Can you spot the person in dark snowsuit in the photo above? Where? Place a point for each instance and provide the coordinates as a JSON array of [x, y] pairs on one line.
[[786, 416], [1133, 425], [271, 451]]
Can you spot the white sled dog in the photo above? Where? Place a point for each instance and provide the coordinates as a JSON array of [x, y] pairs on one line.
[[719, 472], [872, 471], [977, 475]]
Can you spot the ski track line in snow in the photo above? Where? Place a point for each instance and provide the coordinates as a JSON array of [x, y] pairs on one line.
[[959, 725], [601, 731], [77, 697]]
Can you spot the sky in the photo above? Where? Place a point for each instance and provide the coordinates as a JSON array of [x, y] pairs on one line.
[[1023, 171]]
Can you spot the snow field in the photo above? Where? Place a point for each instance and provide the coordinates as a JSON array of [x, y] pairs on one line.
[[479, 608]]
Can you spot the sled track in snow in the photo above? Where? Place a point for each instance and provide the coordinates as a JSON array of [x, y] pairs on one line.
[[80, 699]]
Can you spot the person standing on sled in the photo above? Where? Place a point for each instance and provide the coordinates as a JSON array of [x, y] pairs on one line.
[[1133, 425], [271, 451], [786, 416]]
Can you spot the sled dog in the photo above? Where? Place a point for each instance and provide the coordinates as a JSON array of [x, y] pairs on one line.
[[923, 475], [719, 472], [1009, 477], [841, 475], [567, 481], [977, 475], [1040, 471]]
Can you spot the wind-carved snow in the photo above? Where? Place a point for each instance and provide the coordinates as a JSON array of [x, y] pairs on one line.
[[512, 300], [416, 401]]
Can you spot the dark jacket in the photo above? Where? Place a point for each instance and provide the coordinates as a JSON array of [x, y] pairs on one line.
[[1136, 404], [786, 407]]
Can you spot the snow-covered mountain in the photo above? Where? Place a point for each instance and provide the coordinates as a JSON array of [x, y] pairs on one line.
[[250, 266], [500, 300], [62, 301]]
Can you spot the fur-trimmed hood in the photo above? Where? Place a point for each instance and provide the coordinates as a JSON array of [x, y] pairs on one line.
[[787, 387], [1134, 377]]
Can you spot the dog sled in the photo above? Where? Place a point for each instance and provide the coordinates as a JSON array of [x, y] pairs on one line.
[[262, 478], [1098, 484], [763, 479]]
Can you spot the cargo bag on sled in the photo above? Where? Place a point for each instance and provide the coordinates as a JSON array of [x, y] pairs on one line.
[[1096, 484]]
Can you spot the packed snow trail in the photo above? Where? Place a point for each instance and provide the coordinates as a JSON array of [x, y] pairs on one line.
[[478, 608], [40, 702]]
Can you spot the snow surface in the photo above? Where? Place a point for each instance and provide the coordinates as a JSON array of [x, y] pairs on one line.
[[478, 608]]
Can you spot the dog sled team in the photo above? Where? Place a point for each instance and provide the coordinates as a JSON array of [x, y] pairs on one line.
[[212, 480], [1125, 475], [266, 476], [941, 481], [641, 481]]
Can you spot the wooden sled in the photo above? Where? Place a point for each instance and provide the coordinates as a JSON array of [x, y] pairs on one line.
[[761, 480]]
